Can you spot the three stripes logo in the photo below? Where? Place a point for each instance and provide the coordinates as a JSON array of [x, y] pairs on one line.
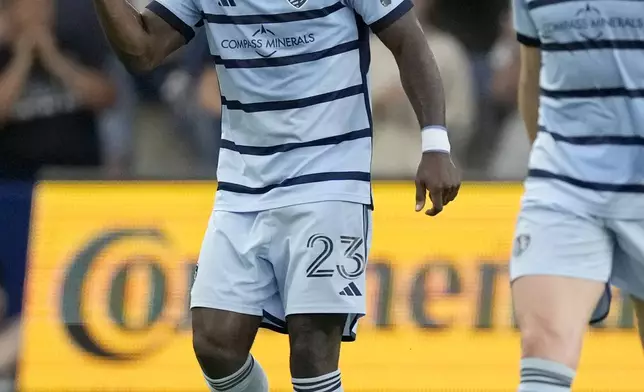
[[227, 3], [351, 291]]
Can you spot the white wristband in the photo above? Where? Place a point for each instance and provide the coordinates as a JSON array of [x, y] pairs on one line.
[[434, 138]]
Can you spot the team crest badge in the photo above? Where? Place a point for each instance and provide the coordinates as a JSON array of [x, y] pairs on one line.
[[521, 244], [297, 3], [385, 3]]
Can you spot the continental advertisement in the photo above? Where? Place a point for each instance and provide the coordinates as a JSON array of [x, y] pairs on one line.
[[111, 265]]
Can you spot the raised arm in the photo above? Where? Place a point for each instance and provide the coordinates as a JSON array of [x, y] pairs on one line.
[[528, 36], [142, 40]]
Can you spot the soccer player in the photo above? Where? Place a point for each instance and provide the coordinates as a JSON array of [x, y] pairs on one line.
[[287, 243], [581, 223]]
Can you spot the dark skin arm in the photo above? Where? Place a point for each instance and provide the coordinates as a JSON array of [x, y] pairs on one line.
[[142, 40], [422, 83]]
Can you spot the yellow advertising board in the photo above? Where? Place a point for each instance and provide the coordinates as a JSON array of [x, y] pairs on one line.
[[111, 265]]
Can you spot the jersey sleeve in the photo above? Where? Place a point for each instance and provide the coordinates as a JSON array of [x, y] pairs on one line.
[[183, 15], [380, 14], [527, 32]]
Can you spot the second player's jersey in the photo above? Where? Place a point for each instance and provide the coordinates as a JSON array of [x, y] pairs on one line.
[[589, 152], [296, 110]]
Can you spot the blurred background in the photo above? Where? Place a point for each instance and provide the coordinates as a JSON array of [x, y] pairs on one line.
[[91, 154]]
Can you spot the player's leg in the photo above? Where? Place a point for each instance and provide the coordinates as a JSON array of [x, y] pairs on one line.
[[639, 312], [222, 341], [628, 269], [559, 268], [322, 284], [315, 351], [231, 285]]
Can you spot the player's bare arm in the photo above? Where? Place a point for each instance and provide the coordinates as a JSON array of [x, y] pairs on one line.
[[142, 40], [423, 85], [529, 89]]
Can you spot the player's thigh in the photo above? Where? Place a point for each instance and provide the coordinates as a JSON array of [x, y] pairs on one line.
[[321, 275], [559, 269], [639, 312], [321, 269], [232, 285], [628, 270]]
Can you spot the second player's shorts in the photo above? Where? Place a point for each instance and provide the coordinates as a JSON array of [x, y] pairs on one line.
[[302, 259], [550, 240]]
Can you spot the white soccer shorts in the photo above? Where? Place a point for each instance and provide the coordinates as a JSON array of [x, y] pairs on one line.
[[301, 259], [550, 240]]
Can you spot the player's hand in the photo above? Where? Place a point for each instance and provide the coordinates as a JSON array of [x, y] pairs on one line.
[[438, 176]]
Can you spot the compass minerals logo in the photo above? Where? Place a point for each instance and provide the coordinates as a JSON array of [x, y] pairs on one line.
[[266, 43], [591, 24]]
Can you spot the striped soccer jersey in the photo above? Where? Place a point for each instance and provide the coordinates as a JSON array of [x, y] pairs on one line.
[[589, 153], [296, 110]]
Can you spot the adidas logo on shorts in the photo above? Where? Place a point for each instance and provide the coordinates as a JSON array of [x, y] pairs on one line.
[[351, 290]]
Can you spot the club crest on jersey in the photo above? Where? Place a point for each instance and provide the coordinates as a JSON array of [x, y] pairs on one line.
[[297, 3], [521, 244], [385, 3]]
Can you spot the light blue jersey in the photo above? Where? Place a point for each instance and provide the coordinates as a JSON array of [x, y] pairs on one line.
[[589, 154], [296, 115]]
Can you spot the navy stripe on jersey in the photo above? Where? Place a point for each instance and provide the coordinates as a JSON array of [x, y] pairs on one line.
[[270, 150], [528, 41], [542, 3], [273, 18], [293, 103], [593, 45], [392, 16], [170, 18], [305, 179], [593, 93], [595, 186], [616, 140], [287, 60]]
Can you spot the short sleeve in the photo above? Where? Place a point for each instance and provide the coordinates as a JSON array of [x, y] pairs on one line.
[[527, 32], [380, 14], [183, 15]]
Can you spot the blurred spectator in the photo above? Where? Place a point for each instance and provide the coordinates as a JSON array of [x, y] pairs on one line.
[[187, 85], [505, 63], [117, 124], [507, 142], [9, 345], [51, 86], [396, 134], [194, 91], [475, 24]]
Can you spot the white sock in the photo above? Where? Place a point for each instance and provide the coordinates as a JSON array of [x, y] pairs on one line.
[[330, 382], [541, 375], [250, 378]]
